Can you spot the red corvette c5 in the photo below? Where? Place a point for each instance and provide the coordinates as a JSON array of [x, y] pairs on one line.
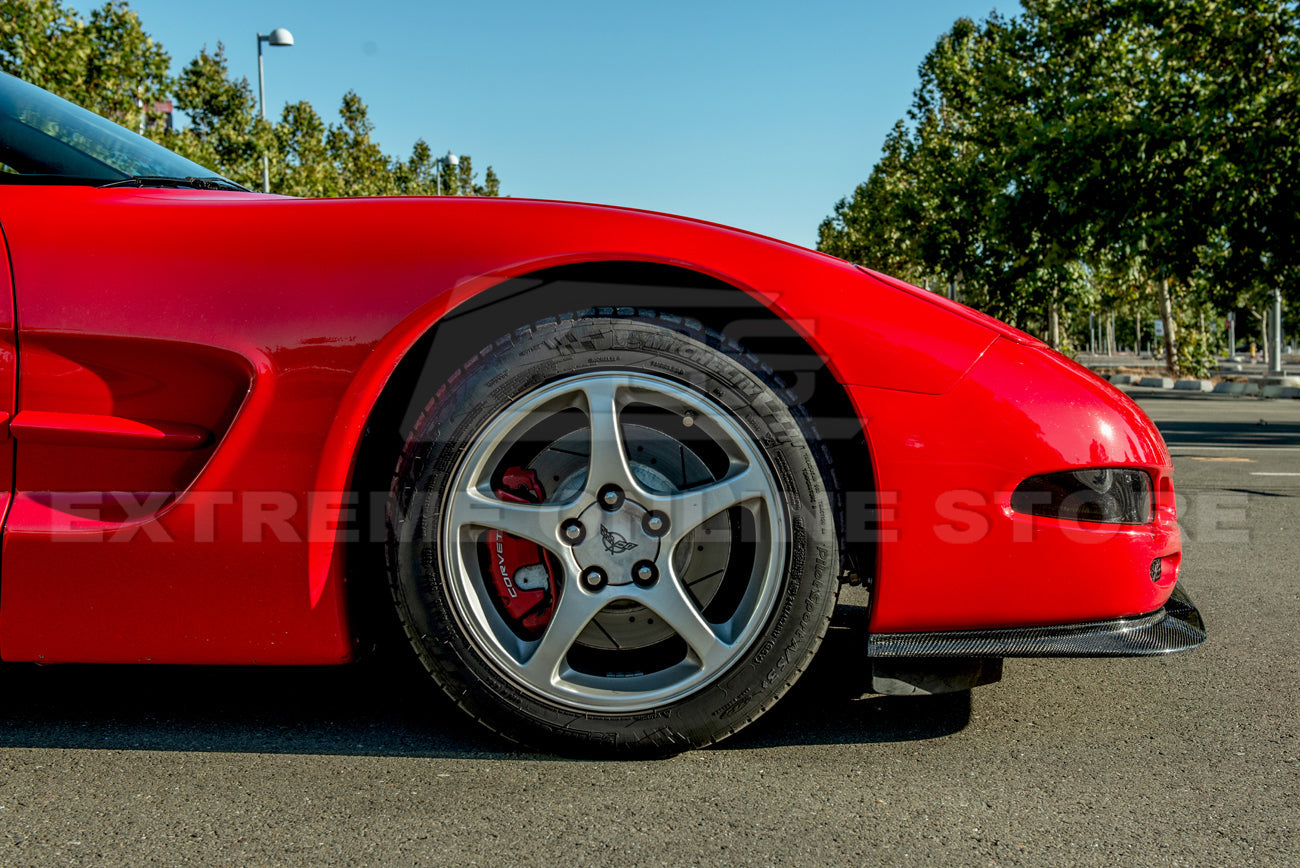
[[609, 467]]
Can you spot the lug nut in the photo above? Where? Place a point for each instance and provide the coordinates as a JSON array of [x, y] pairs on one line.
[[594, 578], [645, 573], [573, 532], [611, 497], [654, 523]]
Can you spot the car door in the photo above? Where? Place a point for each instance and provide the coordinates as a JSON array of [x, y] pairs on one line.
[[8, 379]]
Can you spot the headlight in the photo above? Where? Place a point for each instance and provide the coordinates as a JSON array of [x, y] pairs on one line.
[[1109, 495]]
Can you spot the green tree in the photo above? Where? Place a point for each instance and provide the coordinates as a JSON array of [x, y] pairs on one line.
[[316, 159], [224, 132], [305, 166], [106, 63], [876, 225], [1245, 60], [1152, 137], [944, 202]]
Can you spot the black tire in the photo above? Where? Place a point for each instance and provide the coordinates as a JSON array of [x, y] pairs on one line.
[[718, 491]]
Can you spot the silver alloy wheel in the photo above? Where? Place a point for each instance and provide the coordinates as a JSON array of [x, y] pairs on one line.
[[645, 535]]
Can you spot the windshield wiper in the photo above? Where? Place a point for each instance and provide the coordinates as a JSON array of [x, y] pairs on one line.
[[189, 183]]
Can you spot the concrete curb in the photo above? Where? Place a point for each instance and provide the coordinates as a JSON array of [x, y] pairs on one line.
[[1268, 386], [1229, 388]]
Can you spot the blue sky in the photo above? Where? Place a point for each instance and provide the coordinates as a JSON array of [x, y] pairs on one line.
[[755, 114]]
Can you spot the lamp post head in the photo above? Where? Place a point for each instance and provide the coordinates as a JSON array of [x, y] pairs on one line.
[[278, 36]]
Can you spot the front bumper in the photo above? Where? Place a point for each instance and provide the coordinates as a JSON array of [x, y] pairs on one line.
[[1176, 626]]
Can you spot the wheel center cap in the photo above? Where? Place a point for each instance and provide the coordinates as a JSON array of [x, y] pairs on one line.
[[615, 540]]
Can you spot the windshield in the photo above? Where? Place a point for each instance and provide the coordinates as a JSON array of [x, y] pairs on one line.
[[46, 139]]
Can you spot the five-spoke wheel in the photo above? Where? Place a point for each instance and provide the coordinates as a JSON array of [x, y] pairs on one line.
[[651, 522]]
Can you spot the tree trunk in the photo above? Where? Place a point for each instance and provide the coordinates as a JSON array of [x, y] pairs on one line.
[[1167, 319], [1203, 342], [1263, 333], [1053, 325]]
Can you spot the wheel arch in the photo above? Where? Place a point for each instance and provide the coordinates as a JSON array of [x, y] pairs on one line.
[[622, 286]]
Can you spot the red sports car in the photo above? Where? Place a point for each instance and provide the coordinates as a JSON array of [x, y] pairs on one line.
[[608, 467]]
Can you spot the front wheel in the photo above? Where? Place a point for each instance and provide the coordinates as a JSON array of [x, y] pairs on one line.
[[608, 533]]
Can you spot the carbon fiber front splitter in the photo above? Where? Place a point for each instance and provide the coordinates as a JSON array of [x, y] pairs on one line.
[[1177, 626]]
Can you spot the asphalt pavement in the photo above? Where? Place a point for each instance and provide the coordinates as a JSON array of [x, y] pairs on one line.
[[1191, 759]]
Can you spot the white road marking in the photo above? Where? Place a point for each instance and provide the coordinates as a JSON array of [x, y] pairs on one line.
[[1184, 450], [1262, 473]]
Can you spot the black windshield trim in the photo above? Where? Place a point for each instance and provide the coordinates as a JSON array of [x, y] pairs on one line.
[[211, 182]]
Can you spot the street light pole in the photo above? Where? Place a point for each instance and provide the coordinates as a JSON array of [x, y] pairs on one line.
[[450, 161], [1275, 366], [278, 36]]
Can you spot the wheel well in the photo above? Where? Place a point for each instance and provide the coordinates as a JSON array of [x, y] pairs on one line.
[[623, 287]]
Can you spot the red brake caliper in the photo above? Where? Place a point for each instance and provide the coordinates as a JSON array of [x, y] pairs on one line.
[[523, 573]]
